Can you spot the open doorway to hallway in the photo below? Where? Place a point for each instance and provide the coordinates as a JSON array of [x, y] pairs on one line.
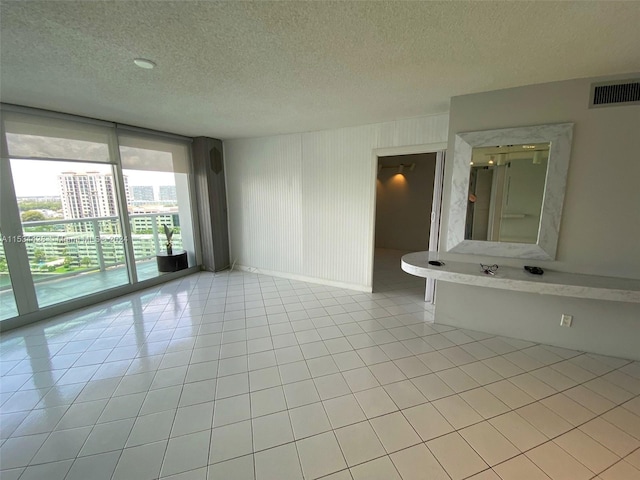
[[404, 221]]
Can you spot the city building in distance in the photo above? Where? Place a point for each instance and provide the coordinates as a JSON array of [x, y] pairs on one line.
[[142, 193], [88, 195]]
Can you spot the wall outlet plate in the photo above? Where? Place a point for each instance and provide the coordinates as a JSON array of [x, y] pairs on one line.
[[565, 320]]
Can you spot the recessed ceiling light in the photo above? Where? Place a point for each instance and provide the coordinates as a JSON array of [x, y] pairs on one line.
[[144, 63]]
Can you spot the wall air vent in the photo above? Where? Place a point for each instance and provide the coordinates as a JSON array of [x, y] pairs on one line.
[[621, 92]]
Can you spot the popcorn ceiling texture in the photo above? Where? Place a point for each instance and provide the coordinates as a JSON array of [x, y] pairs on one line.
[[242, 69]]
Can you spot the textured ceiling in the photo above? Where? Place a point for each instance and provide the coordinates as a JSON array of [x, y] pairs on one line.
[[238, 69]]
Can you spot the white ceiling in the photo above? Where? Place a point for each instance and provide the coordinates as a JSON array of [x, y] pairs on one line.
[[240, 69]]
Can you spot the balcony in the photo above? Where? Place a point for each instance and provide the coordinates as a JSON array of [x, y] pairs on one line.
[[74, 258]]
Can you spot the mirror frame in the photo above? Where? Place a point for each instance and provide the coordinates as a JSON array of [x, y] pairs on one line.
[[560, 136]]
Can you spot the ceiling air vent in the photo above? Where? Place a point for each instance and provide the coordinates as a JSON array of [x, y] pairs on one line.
[[625, 92]]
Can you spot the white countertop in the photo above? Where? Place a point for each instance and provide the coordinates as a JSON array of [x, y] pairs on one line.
[[517, 279]]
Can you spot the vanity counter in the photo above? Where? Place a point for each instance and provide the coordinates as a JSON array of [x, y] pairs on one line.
[[510, 278]]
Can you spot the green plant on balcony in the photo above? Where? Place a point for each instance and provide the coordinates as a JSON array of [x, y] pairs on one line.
[[169, 234]]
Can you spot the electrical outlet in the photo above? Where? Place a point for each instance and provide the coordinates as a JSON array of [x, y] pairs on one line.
[[565, 320]]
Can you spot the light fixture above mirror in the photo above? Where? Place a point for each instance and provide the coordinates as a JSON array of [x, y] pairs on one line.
[[521, 175]]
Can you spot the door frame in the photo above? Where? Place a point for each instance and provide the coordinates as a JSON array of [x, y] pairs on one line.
[[436, 215], [439, 149]]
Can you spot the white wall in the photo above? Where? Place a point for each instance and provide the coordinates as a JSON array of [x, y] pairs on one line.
[[600, 228], [302, 205], [403, 202]]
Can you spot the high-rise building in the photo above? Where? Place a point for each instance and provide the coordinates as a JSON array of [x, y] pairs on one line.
[[142, 193], [86, 195], [168, 193]]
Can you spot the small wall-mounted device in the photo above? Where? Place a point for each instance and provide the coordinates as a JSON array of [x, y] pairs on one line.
[[565, 320], [215, 159]]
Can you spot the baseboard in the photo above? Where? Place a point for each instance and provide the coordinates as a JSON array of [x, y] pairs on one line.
[[304, 278]]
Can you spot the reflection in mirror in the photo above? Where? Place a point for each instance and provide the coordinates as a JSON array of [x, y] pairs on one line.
[[506, 189]]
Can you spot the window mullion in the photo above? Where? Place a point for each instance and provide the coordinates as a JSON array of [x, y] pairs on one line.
[[125, 223]]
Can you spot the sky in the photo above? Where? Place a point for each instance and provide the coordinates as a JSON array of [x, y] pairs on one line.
[[38, 178]]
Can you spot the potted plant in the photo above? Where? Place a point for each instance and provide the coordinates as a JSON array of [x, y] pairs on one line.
[[169, 234]]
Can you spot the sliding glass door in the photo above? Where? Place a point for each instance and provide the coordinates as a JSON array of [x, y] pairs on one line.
[[84, 205], [70, 217], [71, 226], [157, 173]]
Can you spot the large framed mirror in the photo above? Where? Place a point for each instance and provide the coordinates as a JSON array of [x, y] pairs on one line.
[[507, 191]]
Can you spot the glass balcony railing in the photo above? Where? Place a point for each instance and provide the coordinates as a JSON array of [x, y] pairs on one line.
[[58, 248]]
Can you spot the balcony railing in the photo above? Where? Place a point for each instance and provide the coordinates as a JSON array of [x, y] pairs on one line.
[[176, 239], [98, 239]]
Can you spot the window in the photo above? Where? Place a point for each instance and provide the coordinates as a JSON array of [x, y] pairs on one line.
[[84, 197], [159, 195], [71, 227]]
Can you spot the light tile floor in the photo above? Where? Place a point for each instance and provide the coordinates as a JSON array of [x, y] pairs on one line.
[[240, 376]]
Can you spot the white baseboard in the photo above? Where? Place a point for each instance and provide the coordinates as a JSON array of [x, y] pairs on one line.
[[304, 278]]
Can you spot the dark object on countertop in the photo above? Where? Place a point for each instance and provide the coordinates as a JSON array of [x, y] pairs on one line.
[[437, 263], [534, 270], [488, 269]]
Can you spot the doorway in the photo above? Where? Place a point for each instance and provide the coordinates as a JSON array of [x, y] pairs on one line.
[[407, 217]]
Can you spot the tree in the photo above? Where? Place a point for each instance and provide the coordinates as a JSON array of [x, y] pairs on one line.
[[39, 255], [86, 261], [32, 216], [25, 205]]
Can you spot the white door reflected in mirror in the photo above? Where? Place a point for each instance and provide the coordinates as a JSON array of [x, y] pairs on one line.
[[506, 190]]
